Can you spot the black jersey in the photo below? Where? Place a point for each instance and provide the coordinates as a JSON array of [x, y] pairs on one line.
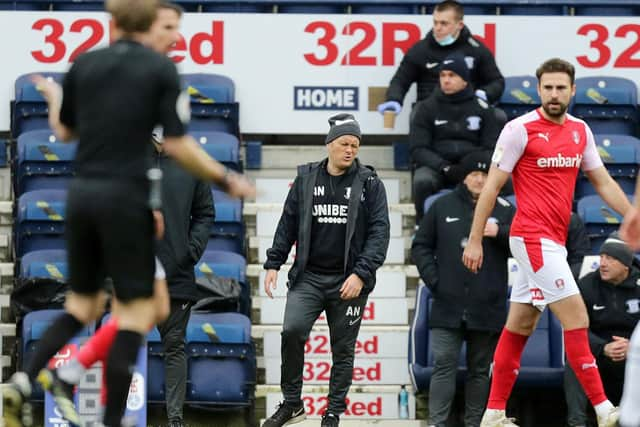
[[113, 98]]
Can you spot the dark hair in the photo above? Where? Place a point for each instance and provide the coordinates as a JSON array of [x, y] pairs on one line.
[[168, 5], [556, 65], [451, 5], [132, 16]]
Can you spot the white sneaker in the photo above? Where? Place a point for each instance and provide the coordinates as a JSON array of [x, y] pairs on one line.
[[497, 419], [611, 420]]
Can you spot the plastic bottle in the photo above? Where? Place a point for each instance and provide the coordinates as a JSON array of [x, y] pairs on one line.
[[404, 403]]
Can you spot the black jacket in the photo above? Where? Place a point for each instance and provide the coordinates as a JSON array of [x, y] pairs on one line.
[[367, 235], [421, 64], [578, 244], [445, 128], [188, 215], [459, 295], [613, 310]]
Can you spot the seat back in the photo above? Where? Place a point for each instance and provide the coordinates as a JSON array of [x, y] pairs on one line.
[[30, 111], [40, 221], [228, 356], [607, 104], [222, 146], [386, 8], [155, 367], [534, 9], [227, 230], [599, 220], [520, 95], [542, 363], [43, 162], [212, 99], [50, 263], [227, 264], [432, 198]]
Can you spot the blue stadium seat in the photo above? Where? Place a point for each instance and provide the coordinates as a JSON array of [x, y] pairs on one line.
[[312, 7], [222, 146], [520, 95], [385, 8], [155, 367], [533, 9], [78, 5], [24, 5], [50, 263], [478, 9], [30, 110], [34, 325], [213, 106], [599, 220], [40, 221], [227, 230], [227, 264], [236, 7], [608, 104], [432, 198], [43, 162], [542, 363], [621, 156], [222, 371], [605, 9]]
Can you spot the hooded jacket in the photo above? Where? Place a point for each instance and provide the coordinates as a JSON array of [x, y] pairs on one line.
[[367, 233], [421, 64], [479, 299]]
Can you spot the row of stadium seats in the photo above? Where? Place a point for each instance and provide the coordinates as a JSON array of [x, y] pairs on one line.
[[229, 358], [608, 104], [407, 7], [542, 363]]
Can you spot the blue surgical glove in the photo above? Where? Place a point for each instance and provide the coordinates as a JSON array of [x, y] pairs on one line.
[[390, 106], [482, 95]]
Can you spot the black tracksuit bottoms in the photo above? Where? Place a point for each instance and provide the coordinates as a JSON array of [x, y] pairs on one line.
[[312, 294]]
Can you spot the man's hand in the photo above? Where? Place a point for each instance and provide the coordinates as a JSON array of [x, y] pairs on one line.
[[158, 223], [239, 186], [351, 287], [491, 229], [472, 256], [630, 229], [616, 350], [270, 282], [49, 88]]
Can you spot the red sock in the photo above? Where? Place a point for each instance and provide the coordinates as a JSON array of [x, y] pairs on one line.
[[506, 362], [99, 344], [576, 344]]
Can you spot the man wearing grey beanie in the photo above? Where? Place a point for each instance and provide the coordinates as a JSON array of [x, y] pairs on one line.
[[612, 297], [336, 212]]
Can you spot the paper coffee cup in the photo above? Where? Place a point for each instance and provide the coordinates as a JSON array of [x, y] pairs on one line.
[[389, 119]]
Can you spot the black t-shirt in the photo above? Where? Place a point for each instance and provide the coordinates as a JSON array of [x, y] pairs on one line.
[[329, 222], [113, 98]]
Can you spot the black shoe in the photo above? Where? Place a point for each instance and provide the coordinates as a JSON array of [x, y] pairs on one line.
[[15, 401], [330, 420], [62, 393], [285, 415]]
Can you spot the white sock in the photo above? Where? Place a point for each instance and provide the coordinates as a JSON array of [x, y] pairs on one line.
[[72, 372], [629, 409], [602, 409]]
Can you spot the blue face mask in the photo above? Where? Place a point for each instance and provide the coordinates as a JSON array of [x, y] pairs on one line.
[[447, 40]]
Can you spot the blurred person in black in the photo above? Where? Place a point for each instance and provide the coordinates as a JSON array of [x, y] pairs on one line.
[[113, 98]]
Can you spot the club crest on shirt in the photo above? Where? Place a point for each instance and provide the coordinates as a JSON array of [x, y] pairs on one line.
[[576, 137], [560, 283], [347, 193], [473, 123]]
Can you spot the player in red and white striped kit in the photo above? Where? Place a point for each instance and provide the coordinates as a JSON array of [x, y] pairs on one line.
[[544, 150]]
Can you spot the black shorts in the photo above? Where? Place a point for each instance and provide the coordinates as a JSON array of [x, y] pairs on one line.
[[109, 233]]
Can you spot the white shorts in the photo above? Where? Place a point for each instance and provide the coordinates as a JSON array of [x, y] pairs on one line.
[[159, 273], [543, 275]]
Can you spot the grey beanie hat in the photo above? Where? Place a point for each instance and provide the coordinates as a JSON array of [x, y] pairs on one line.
[[615, 247], [342, 124]]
